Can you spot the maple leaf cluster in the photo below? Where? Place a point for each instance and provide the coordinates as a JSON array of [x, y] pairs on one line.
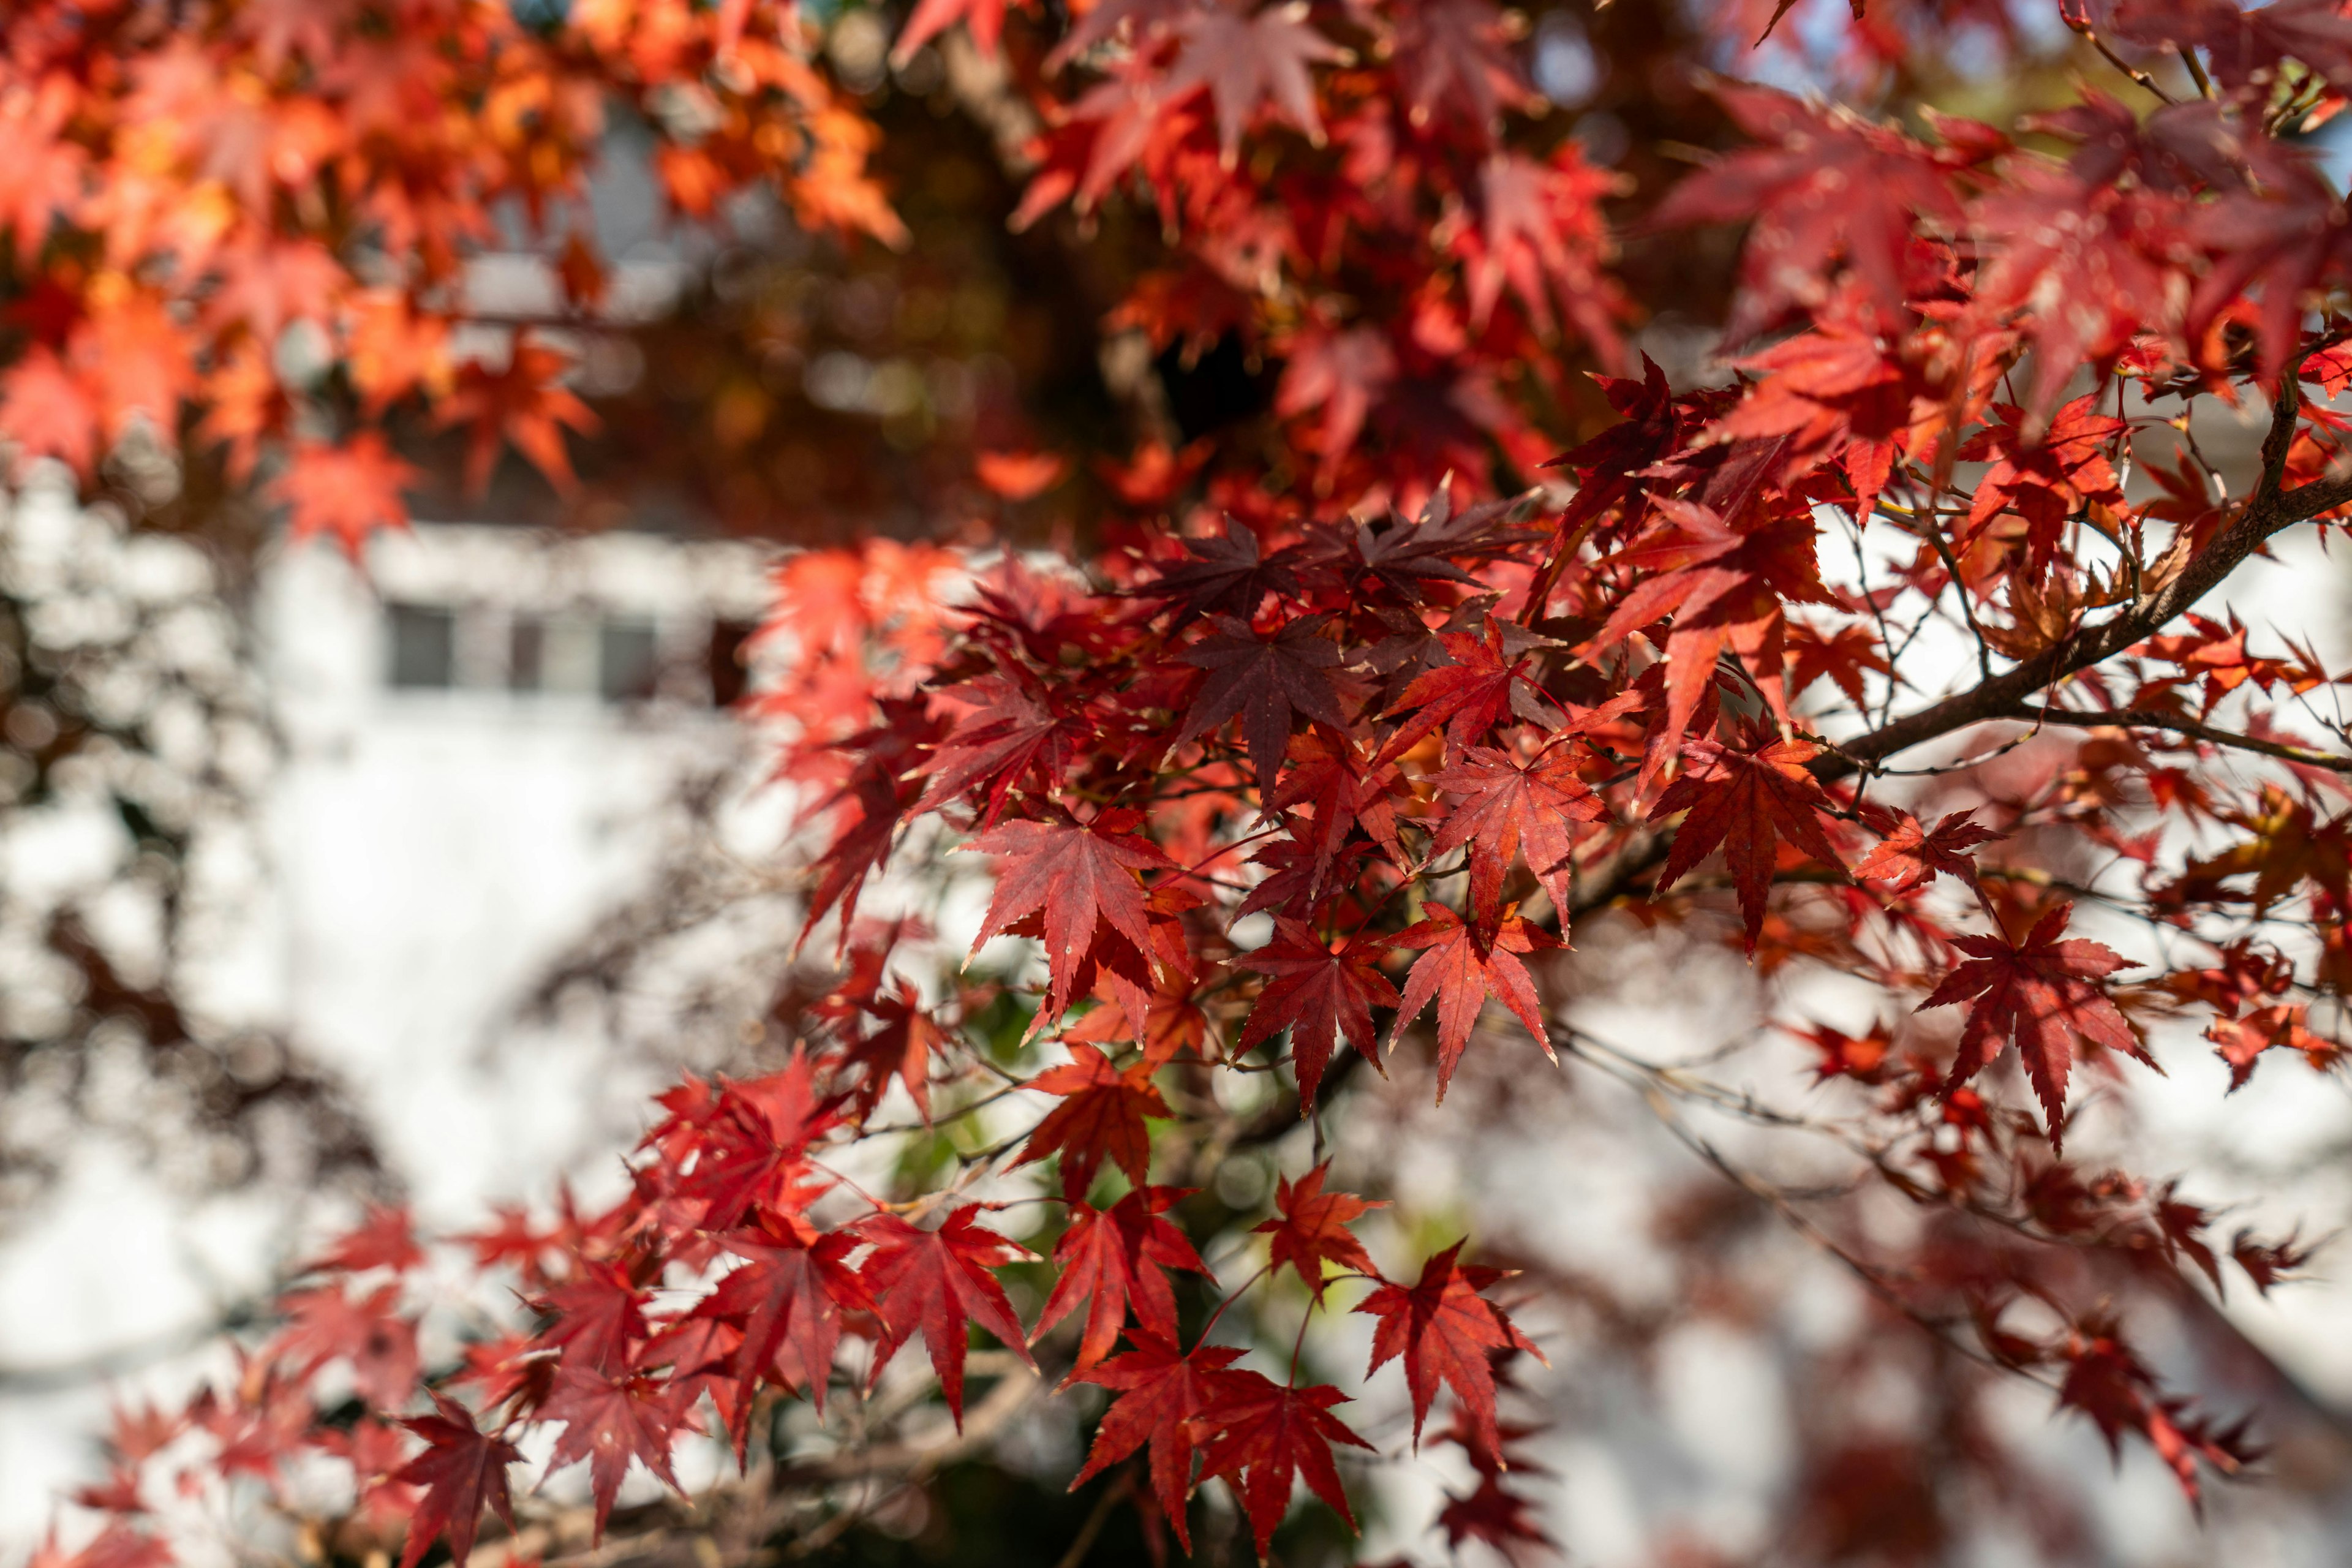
[[247, 224], [1329, 741], [733, 1190]]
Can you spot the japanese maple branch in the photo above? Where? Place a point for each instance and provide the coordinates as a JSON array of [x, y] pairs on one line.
[[1082, 1542], [909, 1460], [1650, 1079], [2271, 511], [2082, 27], [1661, 1106], [1655, 1084], [2144, 719], [1931, 528]]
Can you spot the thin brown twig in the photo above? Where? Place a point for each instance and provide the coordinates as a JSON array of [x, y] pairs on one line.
[[2148, 718], [1082, 1542], [2091, 35]]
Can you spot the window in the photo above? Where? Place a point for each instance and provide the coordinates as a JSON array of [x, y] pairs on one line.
[[424, 647], [626, 668], [729, 678], [526, 653], [615, 657]]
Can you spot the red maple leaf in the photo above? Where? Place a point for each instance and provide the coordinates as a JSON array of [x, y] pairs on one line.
[[1833, 186], [1746, 801], [1299, 876], [1310, 1228], [523, 402], [136, 1433], [1468, 696], [282, 27], [1172, 1027], [386, 1238], [1268, 1438], [327, 1325], [1843, 656], [46, 172], [376, 1450], [133, 354], [1006, 732], [1265, 682], [1456, 54], [1319, 991], [868, 809], [1835, 392], [1102, 1117], [985, 18], [1458, 972], [462, 1471], [346, 492], [1611, 467], [118, 1545], [787, 1299], [48, 411], [1136, 977], [2106, 1380], [1160, 1394], [2044, 994], [900, 1046], [1335, 780], [1118, 1258], [1502, 1520], [510, 1367], [1446, 1331], [2266, 1263], [2242, 1041], [1127, 119], [609, 1420], [1725, 584], [390, 349], [1508, 802], [1080, 875], [1403, 560], [1246, 61], [2288, 241], [745, 1146], [1861, 1057], [599, 1316], [267, 284], [1227, 573], [1343, 373], [937, 1282], [2247, 45], [1911, 854], [263, 1421], [2046, 478], [1538, 232], [2080, 290]]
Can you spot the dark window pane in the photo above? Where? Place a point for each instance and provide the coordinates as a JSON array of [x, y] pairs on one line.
[[625, 661], [728, 678], [424, 647], [526, 655]]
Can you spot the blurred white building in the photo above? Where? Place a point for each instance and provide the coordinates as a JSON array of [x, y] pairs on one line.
[[477, 736]]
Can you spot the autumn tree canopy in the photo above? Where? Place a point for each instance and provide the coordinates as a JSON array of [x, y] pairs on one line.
[[1325, 611]]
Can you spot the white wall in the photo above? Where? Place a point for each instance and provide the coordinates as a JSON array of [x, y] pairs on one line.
[[428, 852]]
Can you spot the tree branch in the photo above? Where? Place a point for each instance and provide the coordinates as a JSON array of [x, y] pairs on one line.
[[562, 1536], [2270, 511], [2144, 719]]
